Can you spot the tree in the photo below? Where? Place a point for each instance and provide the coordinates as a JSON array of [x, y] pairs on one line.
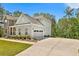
[[47, 15], [36, 14], [1, 31], [69, 28], [77, 13], [17, 13], [67, 25], [69, 12], [75, 28], [63, 26], [2, 10], [8, 12]]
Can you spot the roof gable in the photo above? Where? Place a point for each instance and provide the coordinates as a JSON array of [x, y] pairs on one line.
[[43, 19], [9, 17], [24, 19]]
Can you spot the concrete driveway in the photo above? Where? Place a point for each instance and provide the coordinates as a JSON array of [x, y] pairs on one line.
[[53, 47]]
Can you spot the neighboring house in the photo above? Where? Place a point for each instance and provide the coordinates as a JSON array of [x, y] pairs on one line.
[[36, 26], [9, 22], [1, 21]]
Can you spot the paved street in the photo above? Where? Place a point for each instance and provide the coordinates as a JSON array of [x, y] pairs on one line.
[[53, 47]]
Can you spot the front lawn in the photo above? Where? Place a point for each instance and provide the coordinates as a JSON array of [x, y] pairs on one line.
[[8, 48]]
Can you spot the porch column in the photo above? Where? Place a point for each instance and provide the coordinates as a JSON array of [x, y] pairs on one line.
[[9, 31]]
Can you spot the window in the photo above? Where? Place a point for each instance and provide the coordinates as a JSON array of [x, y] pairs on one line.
[[11, 22], [38, 30], [26, 31], [10, 31], [19, 31], [14, 29], [35, 30], [41, 30]]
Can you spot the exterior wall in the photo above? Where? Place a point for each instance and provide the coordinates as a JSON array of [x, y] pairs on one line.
[[47, 28], [46, 24], [37, 35], [23, 29], [23, 20], [6, 27], [31, 28]]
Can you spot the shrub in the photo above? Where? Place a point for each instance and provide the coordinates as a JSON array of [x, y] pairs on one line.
[[28, 37], [47, 36], [1, 32], [16, 37], [23, 37]]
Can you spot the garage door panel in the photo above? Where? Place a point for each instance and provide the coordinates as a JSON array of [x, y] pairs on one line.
[[38, 35]]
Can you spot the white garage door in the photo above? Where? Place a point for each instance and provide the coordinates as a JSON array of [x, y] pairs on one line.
[[38, 34]]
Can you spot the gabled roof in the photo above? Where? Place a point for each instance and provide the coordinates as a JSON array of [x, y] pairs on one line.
[[42, 17], [23, 19], [9, 17]]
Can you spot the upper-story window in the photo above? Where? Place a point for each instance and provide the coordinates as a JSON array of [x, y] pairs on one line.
[[11, 22]]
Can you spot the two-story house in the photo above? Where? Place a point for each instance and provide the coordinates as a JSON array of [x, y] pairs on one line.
[[36, 26]]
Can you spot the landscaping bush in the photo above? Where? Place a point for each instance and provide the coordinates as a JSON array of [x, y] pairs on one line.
[[16, 37], [28, 37], [23, 37], [47, 36]]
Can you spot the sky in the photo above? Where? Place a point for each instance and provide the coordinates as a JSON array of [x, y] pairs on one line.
[[56, 9]]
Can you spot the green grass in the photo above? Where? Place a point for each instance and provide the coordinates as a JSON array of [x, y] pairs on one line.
[[8, 48]]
